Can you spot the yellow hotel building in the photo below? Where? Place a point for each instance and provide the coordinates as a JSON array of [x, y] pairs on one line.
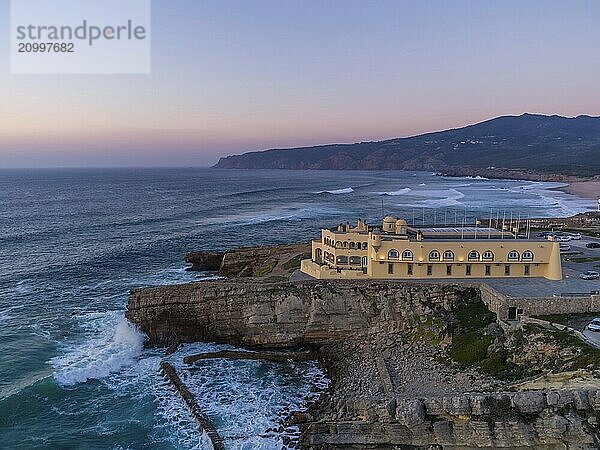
[[399, 251]]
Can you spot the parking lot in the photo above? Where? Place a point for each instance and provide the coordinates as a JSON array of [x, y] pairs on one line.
[[570, 284]]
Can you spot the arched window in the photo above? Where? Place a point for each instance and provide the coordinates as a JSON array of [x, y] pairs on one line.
[[365, 245], [527, 255], [488, 255], [513, 255], [448, 255], [338, 244], [473, 255], [352, 245], [434, 255], [407, 255], [393, 254], [345, 245]]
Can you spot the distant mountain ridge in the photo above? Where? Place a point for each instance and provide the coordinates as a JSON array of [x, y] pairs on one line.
[[551, 147]]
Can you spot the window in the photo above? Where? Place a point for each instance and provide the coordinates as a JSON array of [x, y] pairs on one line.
[[338, 244], [429, 269], [488, 255], [468, 270], [473, 256], [434, 255], [513, 255], [393, 254], [448, 255], [527, 255], [345, 244], [507, 270], [342, 260], [365, 245], [407, 255], [527, 270], [409, 270], [355, 260], [352, 245], [390, 268], [488, 270], [449, 270]]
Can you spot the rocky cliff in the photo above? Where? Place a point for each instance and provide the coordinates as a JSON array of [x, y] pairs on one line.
[[282, 314], [386, 347]]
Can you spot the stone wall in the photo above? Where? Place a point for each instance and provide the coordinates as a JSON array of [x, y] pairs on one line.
[[542, 420], [534, 306], [282, 314]]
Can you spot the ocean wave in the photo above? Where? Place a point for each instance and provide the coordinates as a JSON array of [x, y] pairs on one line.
[[117, 345], [395, 193], [347, 190], [248, 399]]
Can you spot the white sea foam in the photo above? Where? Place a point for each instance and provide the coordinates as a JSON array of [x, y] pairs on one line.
[[248, 399], [117, 343], [347, 190], [396, 193]]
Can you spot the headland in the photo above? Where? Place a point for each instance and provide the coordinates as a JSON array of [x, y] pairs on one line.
[[412, 364]]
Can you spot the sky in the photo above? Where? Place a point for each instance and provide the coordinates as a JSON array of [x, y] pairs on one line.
[[230, 76]]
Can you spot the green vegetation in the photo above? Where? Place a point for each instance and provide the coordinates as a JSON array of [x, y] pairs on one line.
[[564, 319], [469, 341], [266, 269], [294, 263], [584, 260], [586, 354], [429, 331]]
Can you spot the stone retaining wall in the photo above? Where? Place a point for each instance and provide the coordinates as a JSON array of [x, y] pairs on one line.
[[535, 306]]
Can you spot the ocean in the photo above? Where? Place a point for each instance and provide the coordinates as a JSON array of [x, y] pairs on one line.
[[75, 374]]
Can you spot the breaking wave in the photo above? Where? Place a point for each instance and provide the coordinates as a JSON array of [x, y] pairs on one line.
[[118, 344], [395, 193], [347, 190]]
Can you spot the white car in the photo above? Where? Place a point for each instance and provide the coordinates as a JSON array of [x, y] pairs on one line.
[[594, 325], [575, 236], [590, 275], [563, 238], [564, 248]]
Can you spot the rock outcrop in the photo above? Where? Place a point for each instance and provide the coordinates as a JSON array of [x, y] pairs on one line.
[[541, 420], [274, 260], [383, 344], [282, 314], [204, 261]]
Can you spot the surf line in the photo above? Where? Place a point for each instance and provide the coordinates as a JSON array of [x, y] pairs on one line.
[[204, 423]]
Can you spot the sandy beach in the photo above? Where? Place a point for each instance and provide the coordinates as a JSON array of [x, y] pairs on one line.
[[587, 189]]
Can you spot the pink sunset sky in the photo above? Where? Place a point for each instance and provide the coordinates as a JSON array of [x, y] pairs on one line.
[[235, 76]]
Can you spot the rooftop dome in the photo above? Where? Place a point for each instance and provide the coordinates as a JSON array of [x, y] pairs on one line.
[[400, 222], [389, 219]]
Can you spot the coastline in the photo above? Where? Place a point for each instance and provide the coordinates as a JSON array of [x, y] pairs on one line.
[[586, 189]]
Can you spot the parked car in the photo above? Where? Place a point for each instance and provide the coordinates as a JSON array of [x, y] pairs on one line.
[[543, 234], [575, 236], [594, 325], [590, 275], [592, 245], [563, 238], [564, 248]]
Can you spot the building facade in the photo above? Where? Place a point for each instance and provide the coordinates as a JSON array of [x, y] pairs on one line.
[[399, 251]]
